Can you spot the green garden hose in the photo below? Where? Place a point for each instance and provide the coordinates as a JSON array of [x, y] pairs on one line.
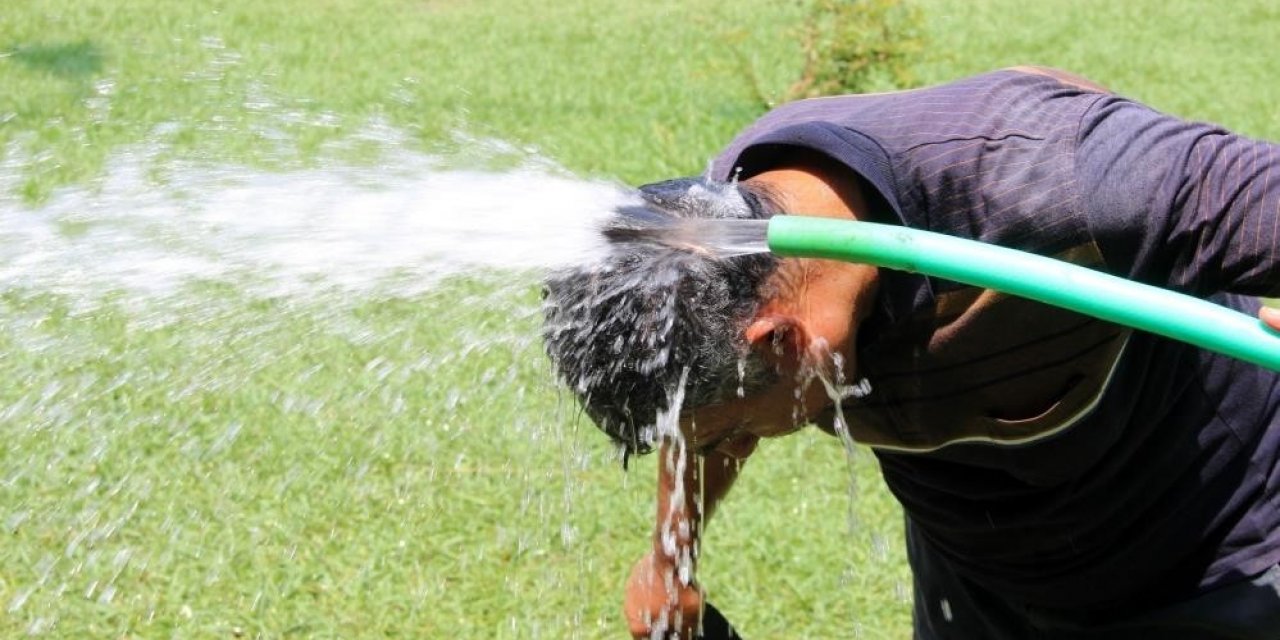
[[1132, 304]]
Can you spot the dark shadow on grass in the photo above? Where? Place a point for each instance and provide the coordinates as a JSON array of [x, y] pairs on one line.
[[71, 60]]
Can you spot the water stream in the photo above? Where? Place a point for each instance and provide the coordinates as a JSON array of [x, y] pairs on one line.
[[293, 233]]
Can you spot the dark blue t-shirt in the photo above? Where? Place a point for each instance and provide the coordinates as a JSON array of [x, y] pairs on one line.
[[1061, 460]]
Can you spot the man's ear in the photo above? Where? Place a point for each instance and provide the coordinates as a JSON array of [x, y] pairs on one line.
[[781, 339]]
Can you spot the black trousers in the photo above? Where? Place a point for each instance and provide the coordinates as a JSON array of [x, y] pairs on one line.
[[950, 607]]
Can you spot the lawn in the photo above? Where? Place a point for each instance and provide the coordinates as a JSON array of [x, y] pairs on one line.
[[226, 464]]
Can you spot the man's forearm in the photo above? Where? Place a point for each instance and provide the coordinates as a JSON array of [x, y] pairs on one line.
[[689, 489]]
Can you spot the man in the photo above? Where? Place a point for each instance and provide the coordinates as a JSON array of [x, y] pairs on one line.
[[1062, 477]]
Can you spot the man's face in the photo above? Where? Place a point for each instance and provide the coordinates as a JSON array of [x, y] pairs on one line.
[[778, 410], [806, 333]]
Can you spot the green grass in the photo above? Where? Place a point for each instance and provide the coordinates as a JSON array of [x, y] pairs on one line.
[[604, 88], [403, 467]]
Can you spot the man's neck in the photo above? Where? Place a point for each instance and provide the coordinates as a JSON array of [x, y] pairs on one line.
[[811, 184]]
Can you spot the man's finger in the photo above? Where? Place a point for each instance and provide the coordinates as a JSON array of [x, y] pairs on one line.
[[1270, 317]]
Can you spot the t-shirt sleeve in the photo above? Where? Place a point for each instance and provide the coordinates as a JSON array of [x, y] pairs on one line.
[[1180, 204]]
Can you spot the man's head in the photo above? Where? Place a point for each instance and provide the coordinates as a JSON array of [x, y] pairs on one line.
[[732, 343], [653, 322]]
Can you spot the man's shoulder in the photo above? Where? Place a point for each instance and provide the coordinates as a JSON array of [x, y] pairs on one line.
[[992, 95], [1063, 77], [1028, 102], [1007, 76]]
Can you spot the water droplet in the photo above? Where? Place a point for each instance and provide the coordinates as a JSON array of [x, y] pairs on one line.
[[20, 599]]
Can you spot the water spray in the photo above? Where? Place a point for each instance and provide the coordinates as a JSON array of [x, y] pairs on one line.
[[1048, 280]]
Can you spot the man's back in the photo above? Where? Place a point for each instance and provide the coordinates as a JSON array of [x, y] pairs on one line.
[[1060, 458]]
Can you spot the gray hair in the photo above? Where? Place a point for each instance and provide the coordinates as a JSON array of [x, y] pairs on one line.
[[624, 333]]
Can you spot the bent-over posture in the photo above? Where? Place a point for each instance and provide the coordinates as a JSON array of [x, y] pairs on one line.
[[1062, 477]]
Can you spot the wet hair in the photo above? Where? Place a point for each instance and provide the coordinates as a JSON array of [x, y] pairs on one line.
[[625, 332]]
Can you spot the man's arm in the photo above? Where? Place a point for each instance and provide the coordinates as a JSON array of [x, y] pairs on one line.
[[662, 593]]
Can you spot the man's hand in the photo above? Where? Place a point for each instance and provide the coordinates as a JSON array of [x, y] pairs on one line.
[[1270, 317], [659, 606]]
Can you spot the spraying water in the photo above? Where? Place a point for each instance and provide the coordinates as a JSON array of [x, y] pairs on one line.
[[717, 238], [298, 232]]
